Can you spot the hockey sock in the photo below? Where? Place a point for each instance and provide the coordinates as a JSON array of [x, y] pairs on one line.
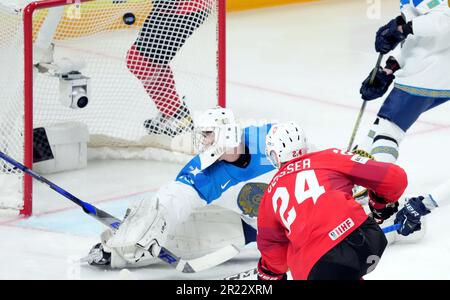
[[157, 79]]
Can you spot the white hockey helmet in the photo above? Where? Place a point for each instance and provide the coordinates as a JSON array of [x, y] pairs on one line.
[[424, 6], [216, 130], [284, 142]]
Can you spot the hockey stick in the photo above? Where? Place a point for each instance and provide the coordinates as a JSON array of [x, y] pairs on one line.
[[248, 274], [185, 266], [363, 106], [391, 228], [99, 215]]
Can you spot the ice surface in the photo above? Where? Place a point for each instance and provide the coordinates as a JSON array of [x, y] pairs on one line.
[[300, 62]]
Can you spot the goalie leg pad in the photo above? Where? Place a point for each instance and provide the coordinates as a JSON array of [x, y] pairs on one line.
[[206, 230], [143, 230]]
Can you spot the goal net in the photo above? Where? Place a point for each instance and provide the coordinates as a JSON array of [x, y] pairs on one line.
[[145, 67]]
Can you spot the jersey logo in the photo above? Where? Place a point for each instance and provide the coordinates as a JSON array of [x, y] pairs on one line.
[[249, 198], [359, 159], [195, 171], [223, 186], [341, 229]]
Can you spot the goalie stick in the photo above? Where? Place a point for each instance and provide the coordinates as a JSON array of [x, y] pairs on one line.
[[249, 274], [185, 266]]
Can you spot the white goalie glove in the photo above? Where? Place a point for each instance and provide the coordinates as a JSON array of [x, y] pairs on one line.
[[143, 232]]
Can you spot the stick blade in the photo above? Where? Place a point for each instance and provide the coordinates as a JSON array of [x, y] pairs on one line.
[[208, 261]]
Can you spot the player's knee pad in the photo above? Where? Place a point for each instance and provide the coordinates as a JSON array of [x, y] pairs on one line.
[[386, 140]]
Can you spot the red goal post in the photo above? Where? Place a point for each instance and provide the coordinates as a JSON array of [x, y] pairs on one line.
[[32, 19]]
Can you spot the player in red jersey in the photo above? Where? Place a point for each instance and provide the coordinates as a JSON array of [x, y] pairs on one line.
[[166, 29], [308, 221]]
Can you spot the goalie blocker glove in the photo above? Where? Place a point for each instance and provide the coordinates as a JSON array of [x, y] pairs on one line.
[[380, 208], [382, 81], [388, 36], [409, 216], [265, 274]]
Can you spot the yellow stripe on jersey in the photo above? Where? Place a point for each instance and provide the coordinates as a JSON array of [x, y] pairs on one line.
[[423, 92]]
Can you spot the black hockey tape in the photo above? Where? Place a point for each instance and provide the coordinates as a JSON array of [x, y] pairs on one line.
[[41, 146]]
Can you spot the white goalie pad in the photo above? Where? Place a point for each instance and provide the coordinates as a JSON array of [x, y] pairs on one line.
[[180, 221], [206, 230], [144, 226]]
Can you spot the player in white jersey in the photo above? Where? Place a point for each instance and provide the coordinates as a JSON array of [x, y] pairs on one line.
[[221, 187], [422, 75], [421, 82]]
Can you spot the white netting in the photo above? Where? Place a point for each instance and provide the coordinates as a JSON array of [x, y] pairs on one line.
[[150, 64], [11, 107]]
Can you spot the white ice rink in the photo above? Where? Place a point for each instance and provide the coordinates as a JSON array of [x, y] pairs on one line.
[[300, 62]]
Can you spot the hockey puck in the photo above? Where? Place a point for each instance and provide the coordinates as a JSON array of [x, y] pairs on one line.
[[125, 274], [129, 18]]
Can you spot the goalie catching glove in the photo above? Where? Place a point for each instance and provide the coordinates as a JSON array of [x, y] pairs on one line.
[[143, 230]]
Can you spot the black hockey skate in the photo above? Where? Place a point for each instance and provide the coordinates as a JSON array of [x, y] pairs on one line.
[[171, 126], [98, 256]]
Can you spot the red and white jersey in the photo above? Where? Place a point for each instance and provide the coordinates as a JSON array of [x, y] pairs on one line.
[[308, 206]]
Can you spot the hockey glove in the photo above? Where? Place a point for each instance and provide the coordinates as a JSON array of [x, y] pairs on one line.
[[380, 208], [379, 86], [409, 216], [388, 36], [265, 274]]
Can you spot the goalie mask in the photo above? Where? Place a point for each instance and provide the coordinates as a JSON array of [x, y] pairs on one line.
[[215, 131], [285, 142]]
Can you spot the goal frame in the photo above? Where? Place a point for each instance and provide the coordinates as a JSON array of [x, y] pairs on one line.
[[28, 12]]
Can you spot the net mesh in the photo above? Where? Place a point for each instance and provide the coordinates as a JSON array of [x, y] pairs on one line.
[[150, 65]]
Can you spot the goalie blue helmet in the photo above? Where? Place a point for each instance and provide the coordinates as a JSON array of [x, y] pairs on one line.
[[422, 6]]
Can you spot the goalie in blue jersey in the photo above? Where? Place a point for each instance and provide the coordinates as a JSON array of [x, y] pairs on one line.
[[212, 203]]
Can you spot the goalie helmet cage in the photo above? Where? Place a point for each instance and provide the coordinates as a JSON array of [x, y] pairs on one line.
[[97, 32]]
